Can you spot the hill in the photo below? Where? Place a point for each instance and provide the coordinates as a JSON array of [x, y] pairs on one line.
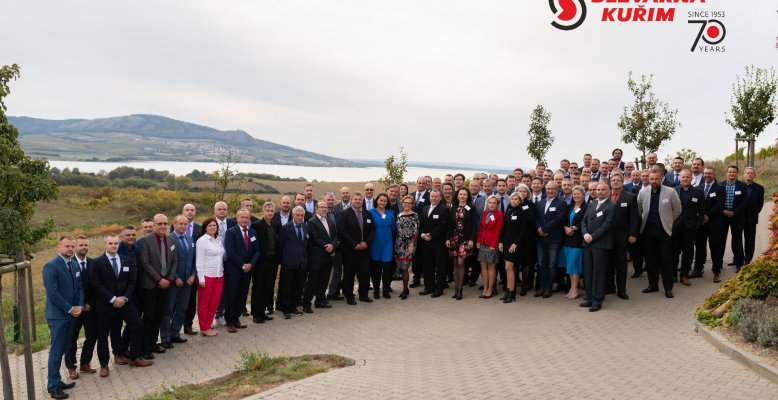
[[152, 137]]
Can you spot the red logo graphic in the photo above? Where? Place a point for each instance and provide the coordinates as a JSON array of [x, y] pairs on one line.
[[570, 14], [711, 32]]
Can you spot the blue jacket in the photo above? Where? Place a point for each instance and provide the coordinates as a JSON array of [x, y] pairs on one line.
[[552, 221], [63, 288], [381, 248], [235, 248], [186, 260], [293, 254]]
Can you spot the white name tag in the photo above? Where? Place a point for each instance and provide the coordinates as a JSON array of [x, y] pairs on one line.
[[694, 199], [78, 273], [421, 200], [306, 236], [552, 209], [623, 204], [368, 221], [467, 208], [383, 216], [577, 209], [126, 269], [435, 216], [737, 193], [253, 238], [665, 200], [193, 245], [172, 247], [491, 218], [599, 214], [712, 194], [525, 208], [514, 217]]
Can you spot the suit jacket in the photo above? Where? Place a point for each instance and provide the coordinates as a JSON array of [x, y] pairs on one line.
[[133, 256], [260, 227], [714, 202], [598, 223], [63, 288], [349, 232], [88, 293], [185, 266], [632, 187], [150, 263], [418, 206], [235, 249], [670, 179], [196, 228], [319, 239], [669, 207], [551, 222], [740, 201], [436, 223], [276, 221], [107, 286], [693, 210], [626, 221], [294, 255], [755, 203]]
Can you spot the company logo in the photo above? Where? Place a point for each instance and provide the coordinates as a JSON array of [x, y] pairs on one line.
[[570, 14], [712, 32]]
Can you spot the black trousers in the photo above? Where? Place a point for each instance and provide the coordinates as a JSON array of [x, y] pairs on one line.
[[263, 280], [434, 266], [356, 263], [290, 288], [657, 248], [616, 267], [749, 235], [735, 227], [709, 237], [236, 287], [683, 248], [594, 263], [88, 320], [154, 302], [381, 272], [316, 285], [108, 319], [417, 263], [636, 252]]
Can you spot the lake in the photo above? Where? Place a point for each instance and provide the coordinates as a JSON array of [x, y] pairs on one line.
[[331, 174]]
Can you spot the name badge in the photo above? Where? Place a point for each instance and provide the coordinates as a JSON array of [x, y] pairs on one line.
[[694, 199], [514, 217], [193, 245], [599, 214], [737, 193], [252, 239], [665, 200], [491, 218], [383, 216], [467, 208], [421, 200], [525, 208], [172, 247], [552, 209], [623, 204], [307, 237], [78, 273], [712, 194], [436, 216], [368, 220], [126, 269], [577, 209]]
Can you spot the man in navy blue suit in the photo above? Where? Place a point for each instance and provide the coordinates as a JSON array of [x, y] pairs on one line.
[[242, 249], [549, 221], [64, 302], [87, 318], [183, 281], [293, 244]]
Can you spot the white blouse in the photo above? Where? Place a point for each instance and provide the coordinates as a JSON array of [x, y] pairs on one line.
[[210, 255]]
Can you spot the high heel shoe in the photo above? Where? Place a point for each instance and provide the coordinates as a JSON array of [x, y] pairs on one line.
[[459, 296], [404, 294], [456, 293], [577, 295], [505, 296], [510, 297]]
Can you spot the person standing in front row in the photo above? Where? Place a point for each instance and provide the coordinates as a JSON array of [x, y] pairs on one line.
[[755, 200], [64, 301], [735, 207], [405, 246], [685, 227], [86, 319], [573, 244], [293, 247], [242, 251], [595, 227], [549, 219], [381, 248], [487, 243], [263, 277], [209, 260], [461, 237], [183, 281], [321, 253], [659, 207], [356, 231], [433, 223]]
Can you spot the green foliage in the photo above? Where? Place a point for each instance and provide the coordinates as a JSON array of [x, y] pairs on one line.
[[649, 121], [540, 138], [126, 172], [767, 328], [741, 155], [225, 174], [23, 182], [754, 102], [766, 152], [688, 156], [269, 177], [395, 169], [745, 317]]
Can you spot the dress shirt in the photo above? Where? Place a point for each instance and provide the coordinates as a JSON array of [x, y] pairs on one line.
[[548, 205], [208, 259], [420, 195], [309, 206], [118, 260], [537, 197], [284, 218], [368, 204], [697, 179], [324, 222], [653, 210], [81, 263], [707, 188], [729, 200], [222, 228]]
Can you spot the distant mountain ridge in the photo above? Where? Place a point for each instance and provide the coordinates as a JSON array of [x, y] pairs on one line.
[[41, 136]]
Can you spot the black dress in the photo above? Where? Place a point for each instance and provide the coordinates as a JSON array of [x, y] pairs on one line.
[[514, 228], [528, 253]]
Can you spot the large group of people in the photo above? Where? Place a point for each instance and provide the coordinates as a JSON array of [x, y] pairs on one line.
[[541, 231]]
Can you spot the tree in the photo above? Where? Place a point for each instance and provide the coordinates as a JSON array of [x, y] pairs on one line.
[[754, 105], [540, 138], [23, 182], [395, 169], [225, 174], [182, 183], [688, 156], [649, 121]]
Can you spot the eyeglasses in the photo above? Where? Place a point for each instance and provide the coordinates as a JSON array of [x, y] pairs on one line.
[[368, 190], [161, 223], [407, 203]]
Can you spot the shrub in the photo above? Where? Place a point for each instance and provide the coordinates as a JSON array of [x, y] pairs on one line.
[[767, 329], [745, 316]]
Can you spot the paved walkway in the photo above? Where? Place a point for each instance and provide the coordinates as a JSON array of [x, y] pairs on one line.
[[643, 348]]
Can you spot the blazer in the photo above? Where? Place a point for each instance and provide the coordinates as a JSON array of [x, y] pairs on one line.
[[185, 266], [514, 226], [551, 221], [626, 220], [260, 227], [294, 255], [319, 239], [88, 293], [418, 206], [693, 210], [149, 260], [739, 203], [339, 209], [276, 221], [106, 285], [196, 228], [669, 207], [714, 202], [469, 221], [133, 256], [576, 239], [489, 234], [670, 179], [349, 232], [633, 188], [755, 203], [436, 223], [235, 250], [599, 223], [63, 288]]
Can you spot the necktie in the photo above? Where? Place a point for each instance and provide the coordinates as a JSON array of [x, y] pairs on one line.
[[246, 238], [676, 179], [614, 197], [163, 255], [418, 196], [537, 199], [189, 229], [707, 189], [300, 234], [184, 244], [83, 266], [115, 267], [502, 204], [70, 269]]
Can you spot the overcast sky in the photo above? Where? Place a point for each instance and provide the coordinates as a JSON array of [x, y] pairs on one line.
[[450, 80]]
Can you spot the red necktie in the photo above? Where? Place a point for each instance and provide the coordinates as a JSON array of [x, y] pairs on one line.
[[614, 197], [246, 238]]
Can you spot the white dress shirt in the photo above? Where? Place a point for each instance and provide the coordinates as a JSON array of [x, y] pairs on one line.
[[209, 257]]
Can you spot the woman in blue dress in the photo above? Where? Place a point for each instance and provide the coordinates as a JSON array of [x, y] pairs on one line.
[[573, 242], [382, 246]]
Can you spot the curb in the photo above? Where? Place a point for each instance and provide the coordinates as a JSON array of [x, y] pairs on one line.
[[749, 360]]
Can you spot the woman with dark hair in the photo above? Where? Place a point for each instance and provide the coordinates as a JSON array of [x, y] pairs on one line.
[[514, 229], [527, 247], [461, 235], [403, 190], [488, 241], [405, 247], [210, 274], [573, 240], [381, 248], [447, 190]]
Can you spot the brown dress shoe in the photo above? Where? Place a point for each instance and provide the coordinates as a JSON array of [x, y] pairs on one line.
[[538, 293], [72, 373], [86, 368], [546, 294], [716, 278], [140, 363], [685, 281], [121, 359], [104, 372], [695, 274]]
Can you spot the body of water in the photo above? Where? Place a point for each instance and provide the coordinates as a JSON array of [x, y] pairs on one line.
[[331, 174]]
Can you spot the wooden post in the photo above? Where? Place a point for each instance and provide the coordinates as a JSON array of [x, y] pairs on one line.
[[24, 315], [5, 368], [31, 304]]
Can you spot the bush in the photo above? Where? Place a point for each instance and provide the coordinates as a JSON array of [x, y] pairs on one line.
[[746, 316], [767, 329]]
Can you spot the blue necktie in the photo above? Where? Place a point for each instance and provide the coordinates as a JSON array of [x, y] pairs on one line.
[[676, 181], [184, 244], [300, 234], [115, 267]]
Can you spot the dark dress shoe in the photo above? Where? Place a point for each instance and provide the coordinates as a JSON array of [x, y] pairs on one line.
[[257, 320], [308, 310], [147, 355], [287, 316], [731, 264], [695, 274], [66, 386], [351, 302], [610, 291], [157, 349], [523, 292], [595, 308], [190, 331], [232, 329], [481, 287], [58, 394], [365, 299], [297, 311], [404, 294], [415, 284], [622, 296], [685, 281], [167, 345], [122, 359], [585, 304], [387, 295], [669, 294], [538, 293], [716, 278], [650, 290], [323, 305], [425, 292], [546, 294], [178, 339], [245, 312], [335, 297], [437, 294], [471, 284], [637, 275], [376, 295]]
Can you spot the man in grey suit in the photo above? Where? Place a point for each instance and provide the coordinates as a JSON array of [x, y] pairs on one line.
[[659, 206], [596, 228], [158, 259], [333, 293]]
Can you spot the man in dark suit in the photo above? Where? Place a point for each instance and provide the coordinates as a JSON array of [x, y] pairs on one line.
[[321, 253], [263, 277], [673, 178], [245, 204], [685, 227], [421, 199], [633, 184], [220, 213], [192, 229], [158, 265], [310, 202], [596, 229], [113, 281], [333, 293], [129, 247], [549, 220], [87, 318], [624, 233], [299, 200], [183, 283], [242, 251], [433, 225], [755, 200], [735, 207], [64, 302], [709, 232], [355, 230], [293, 247]]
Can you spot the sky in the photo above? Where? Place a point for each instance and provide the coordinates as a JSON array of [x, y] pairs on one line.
[[450, 81]]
